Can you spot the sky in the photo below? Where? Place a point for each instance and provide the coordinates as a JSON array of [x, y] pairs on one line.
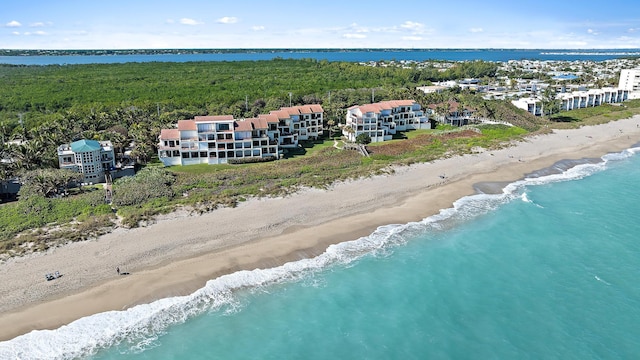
[[164, 24]]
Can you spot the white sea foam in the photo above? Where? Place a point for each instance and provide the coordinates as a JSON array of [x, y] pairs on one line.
[[140, 326]]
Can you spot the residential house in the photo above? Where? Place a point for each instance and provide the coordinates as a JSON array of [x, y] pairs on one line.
[[533, 105], [452, 113], [90, 157]]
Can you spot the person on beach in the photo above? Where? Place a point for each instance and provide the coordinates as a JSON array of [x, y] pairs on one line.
[[118, 270]]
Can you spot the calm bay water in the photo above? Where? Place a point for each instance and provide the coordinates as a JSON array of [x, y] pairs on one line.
[[336, 55], [548, 269]]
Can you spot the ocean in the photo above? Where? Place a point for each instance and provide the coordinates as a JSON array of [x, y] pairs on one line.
[[546, 269], [348, 55]]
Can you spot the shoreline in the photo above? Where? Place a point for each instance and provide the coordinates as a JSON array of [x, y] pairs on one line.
[[178, 254]]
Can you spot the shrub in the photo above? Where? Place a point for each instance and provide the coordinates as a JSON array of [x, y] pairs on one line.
[[250, 160], [363, 138], [149, 183]]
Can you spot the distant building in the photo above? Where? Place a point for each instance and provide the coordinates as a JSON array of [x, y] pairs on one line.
[[574, 100], [216, 139], [469, 84], [452, 113], [630, 81], [533, 105], [88, 157], [383, 119], [432, 89], [590, 98]]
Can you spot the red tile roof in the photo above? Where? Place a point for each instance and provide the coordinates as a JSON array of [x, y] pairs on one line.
[[169, 134], [242, 125], [383, 105], [316, 108], [184, 125], [303, 109], [259, 123], [214, 118], [270, 118], [281, 114], [295, 110]]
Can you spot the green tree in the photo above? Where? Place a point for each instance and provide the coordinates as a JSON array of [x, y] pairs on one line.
[[46, 182], [149, 183], [363, 138], [550, 103]]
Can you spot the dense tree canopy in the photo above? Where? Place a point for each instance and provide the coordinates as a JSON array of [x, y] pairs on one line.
[[42, 107]]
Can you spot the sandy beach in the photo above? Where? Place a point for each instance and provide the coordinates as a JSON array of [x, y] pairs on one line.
[[180, 252]]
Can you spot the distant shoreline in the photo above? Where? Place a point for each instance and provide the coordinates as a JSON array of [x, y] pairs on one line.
[[23, 52], [178, 254], [90, 56]]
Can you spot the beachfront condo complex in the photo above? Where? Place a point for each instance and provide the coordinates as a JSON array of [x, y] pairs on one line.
[[218, 139], [384, 119]]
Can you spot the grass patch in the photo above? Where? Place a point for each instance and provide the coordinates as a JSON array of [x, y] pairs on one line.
[[595, 115]]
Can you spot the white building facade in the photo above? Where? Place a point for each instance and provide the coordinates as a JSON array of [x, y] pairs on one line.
[[216, 139], [384, 119], [90, 157], [630, 81], [591, 98], [575, 100]]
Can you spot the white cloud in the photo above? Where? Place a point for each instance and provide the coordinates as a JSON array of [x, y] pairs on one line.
[[412, 38], [187, 21], [15, 33], [13, 23], [228, 20], [257, 28], [354, 36], [592, 32], [39, 32], [416, 27], [38, 24], [476, 30]]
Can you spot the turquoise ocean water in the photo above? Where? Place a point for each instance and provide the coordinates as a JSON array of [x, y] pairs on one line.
[[548, 269]]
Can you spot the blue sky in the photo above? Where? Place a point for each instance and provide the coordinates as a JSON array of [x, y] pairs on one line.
[[118, 24]]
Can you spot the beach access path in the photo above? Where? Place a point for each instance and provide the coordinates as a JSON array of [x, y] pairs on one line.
[[180, 252]]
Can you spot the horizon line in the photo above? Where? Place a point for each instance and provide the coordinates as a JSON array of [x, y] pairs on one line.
[[321, 48]]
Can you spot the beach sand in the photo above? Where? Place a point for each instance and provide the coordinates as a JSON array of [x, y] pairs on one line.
[[180, 252]]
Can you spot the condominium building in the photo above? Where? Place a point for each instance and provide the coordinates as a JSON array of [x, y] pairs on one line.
[[575, 100], [592, 97], [216, 139], [630, 81], [533, 105], [384, 119], [90, 157]]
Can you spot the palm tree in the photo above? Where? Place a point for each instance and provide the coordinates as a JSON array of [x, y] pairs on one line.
[[141, 152], [330, 125]]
